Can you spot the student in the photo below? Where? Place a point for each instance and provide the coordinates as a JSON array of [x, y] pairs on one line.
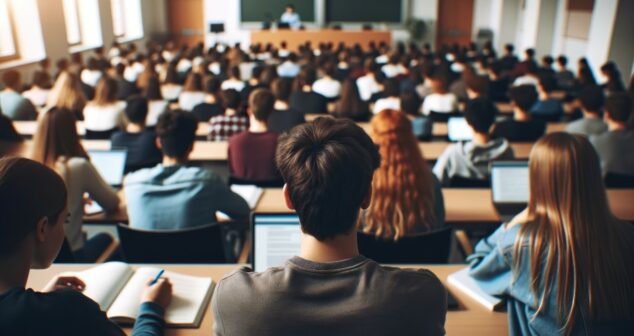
[[40, 89], [67, 94], [408, 202], [104, 115], [291, 18], [393, 69], [522, 127], [233, 121], [192, 94], [391, 98], [234, 81], [526, 66], [252, 153], [615, 147], [212, 105], [547, 107], [328, 86], [305, 100], [92, 74], [441, 100], [171, 87], [289, 67], [350, 105], [471, 159], [12, 103], [11, 142], [564, 263], [421, 125], [590, 101], [370, 83], [498, 84], [56, 145], [125, 88], [613, 81], [328, 167], [530, 77], [565, 78], [31, 235], [156, 104], [139, 141], [152, 193], [283, 117]]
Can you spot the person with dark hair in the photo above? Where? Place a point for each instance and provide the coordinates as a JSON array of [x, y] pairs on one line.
[[251, 154], [613, 81], [11, 142], [328, 86], [212, 105], [590, 100], [193, 92], [421, 125], [305, 100], [350, 105], [91, 74], [151, 193], [530, 76], [508, 61], [125, 88], [283, 117], [477, 86], [370, 83], [547, 107], [12, 103], [290, 17], [139, 141], [391, 99], [522, 68], [522, 127], [104, 114], [40, 89], [233, 121], [565, 77], [498, 83], [253, 84], [471, 159], [171, 87], [546, 67], [156, 104], [615, 147], [234, 81], [31, 235], [441, 100], [328, 166], [289, 67]]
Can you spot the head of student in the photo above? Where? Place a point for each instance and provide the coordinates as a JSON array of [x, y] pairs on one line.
[[57, 137], [591, 98], [261, 102], [282, 88], [523, 97], [136, 109], [575, 238], [153, 89], [32, 224], [480, 115], [391, 88], [231, 99], [11, 80], [328, 167], [106, 91], [290, 9], [176, 132], [618, 108]]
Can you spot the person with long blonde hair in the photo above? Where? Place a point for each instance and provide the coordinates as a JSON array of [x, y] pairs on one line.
[[566, 262], [67, 93], [406, 196]]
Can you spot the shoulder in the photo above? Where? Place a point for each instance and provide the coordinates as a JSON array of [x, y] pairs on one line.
[[420, 285]]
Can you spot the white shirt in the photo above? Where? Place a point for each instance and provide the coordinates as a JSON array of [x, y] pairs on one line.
[[391, 103], [91, 77], [393, 70], [288, 69], [183, 65], [232, 84], [526, 80], [37, 96], [367, 86], [171, 91], [292, 19], [103, 118], [441, 103], [187, 100], [155, 109], [327, 87]]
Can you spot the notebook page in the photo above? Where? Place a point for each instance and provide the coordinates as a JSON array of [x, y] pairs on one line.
[[462, 281], [127, 304], [190, 298], [250, 193], [104, 282]]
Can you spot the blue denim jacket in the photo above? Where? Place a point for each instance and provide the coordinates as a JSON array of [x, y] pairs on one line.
[[491, 267], [177, 197]]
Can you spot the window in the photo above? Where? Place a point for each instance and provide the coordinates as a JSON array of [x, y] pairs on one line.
[[71, 17], [118, 18], [8, 49], [127, 19]]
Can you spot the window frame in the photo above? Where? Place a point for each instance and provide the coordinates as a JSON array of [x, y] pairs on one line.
[[79, 25], [122, 18], [14, 36]]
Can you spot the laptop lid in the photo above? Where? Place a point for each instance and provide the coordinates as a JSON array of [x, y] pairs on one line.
[[509, 186], [458, 129], [110, 164], [276, 238]]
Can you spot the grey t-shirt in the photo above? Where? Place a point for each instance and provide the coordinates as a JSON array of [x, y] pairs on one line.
[[351, 297], [615, 149], [587, 126]]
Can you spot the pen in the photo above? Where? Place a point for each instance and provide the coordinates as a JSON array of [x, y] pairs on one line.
[[157, 277]]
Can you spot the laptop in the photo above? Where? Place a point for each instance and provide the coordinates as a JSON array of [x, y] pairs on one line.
[[110, 164], [509, 187], [276, 238], [458, 129]]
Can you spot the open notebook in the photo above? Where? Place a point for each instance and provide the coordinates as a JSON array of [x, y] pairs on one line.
[[117, 288], [463, 282], [250, 193]]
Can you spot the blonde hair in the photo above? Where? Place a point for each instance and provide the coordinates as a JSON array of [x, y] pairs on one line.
[[402, 191], [105, 92], [67, 93], [570, 224]]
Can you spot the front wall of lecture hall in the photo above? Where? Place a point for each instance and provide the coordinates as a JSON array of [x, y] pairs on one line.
[[163, 118]]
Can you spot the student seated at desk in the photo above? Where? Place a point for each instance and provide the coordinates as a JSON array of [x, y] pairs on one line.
[[391, 99], [522, 127], [328, 86], [441, 100], [233, 121], [564, 263], [56, 144], [547, 107], [12, 103], [350, 105], [31, 234], [192, 93], [471, 159], [421, 126], [40, 89], [591, 101], [251, 154], [174, 195], [283, 117], [156, 104], [615, 147], [407, 198], [329, 289], [11, 142], [139, 141], [305, 100], [104, 115], [212, 105], [67, 94]]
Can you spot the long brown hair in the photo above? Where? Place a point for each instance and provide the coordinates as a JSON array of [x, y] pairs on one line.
[[106, 92], [570, 226], [402, 191], [56, 137], [350, 105], [67, 93]]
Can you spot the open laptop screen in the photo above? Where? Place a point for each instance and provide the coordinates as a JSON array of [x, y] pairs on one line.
[[276, 238], [458, 129], [509, 182], [110, 165]]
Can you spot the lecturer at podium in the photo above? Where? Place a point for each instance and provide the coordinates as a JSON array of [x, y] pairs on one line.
[[291, 18]]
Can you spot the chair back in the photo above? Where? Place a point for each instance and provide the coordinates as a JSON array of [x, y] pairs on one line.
[[262, 184], [203, 244], [426, 248], [619, 181]]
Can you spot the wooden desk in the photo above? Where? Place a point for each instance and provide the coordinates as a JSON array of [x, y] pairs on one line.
[[471, 319], [296, 38], [29, 128]]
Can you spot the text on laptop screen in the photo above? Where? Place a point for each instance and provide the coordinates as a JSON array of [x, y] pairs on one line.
[[458, 129], [110, 165], [276, 239], [509, 182]]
